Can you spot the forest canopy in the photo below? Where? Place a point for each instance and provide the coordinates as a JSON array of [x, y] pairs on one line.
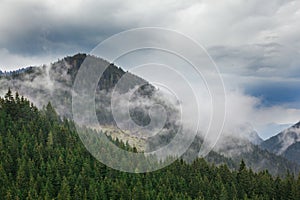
[[42, 157]]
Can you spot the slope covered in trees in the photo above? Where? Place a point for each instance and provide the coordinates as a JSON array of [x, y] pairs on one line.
[[42, 158]]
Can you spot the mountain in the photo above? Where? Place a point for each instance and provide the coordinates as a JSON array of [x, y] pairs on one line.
[[245, 146], [53, 83], [237, 149], [254, 138], [285, 143], [247, 132]]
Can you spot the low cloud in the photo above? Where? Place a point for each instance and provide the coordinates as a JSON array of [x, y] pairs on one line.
[[255, 44]]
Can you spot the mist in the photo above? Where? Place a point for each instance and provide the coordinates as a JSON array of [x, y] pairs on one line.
[[245, 114]]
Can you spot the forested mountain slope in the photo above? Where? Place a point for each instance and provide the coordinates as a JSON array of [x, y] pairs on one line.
[[43, 158]]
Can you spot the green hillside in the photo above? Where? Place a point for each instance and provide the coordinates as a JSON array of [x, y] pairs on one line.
[[43, 158]]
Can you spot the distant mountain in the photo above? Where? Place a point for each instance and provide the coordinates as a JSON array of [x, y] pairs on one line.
[[233, 149], [285, 143], [248, 133], [254, 138], [236, 149]]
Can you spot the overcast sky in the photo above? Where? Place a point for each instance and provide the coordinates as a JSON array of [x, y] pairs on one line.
[[254, 43]]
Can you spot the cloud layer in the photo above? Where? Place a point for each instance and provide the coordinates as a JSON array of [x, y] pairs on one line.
[[255, 44]]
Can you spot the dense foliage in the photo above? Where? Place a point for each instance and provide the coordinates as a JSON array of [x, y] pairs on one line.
[[42, 158]]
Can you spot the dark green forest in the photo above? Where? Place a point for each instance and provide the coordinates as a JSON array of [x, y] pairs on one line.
[[42, 157]]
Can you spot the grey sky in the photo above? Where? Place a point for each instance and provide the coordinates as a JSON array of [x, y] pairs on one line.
[[255, 43]]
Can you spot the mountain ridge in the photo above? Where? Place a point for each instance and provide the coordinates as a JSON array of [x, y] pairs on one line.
[[285, 143], [54, 83]]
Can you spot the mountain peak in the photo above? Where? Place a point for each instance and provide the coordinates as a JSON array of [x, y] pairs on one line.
[[297, 125], [283, 142], [75, 60], [54, 82]]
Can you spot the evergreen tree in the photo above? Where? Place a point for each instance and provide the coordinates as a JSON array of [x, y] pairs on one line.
[[64, 193]]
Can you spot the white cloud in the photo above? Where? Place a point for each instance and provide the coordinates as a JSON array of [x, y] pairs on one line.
[[242, 109]]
